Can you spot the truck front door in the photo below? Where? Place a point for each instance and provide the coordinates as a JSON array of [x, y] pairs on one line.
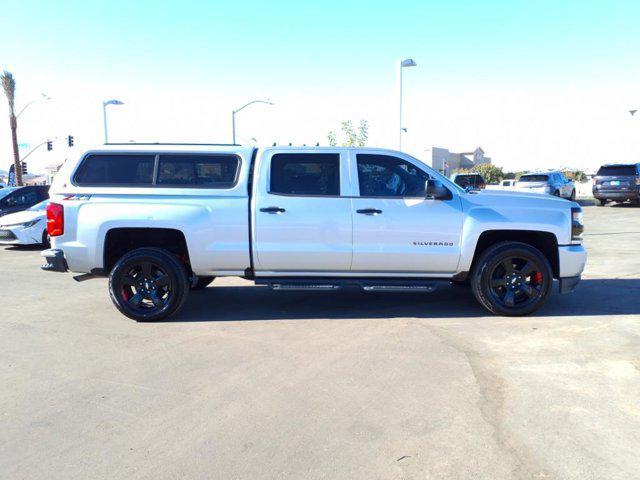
[[396, 230], [301, 220]]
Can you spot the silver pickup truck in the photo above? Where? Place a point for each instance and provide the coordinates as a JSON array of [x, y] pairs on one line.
[[159, 220]]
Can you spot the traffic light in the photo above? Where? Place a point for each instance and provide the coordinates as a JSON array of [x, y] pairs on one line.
[[49, 146], [70, 140], [24, 168]]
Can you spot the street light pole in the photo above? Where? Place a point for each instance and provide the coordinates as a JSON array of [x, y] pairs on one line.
[[43, 96], [104, 116], [408, 62], [233, 116]]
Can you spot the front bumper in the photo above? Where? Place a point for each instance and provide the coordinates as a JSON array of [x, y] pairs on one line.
[[573, 259], [54, 260], [21, 236]]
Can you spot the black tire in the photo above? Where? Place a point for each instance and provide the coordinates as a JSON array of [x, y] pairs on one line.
[[556, 193], [148, 284], [573, 196], [515, 291], [201, 283], [602, 203]]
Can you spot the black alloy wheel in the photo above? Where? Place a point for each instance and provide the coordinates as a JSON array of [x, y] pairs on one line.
[[512, 279], [148, 284]]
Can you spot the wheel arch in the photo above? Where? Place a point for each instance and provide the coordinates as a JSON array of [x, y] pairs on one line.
[[121, 240], [546, 242]]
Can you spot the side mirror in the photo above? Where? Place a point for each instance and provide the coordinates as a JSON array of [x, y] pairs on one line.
[[435, 190]]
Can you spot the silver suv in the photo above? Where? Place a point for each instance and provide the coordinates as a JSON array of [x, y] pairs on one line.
[[552, 183]]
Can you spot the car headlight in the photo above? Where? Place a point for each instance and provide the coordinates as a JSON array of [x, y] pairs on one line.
[[23, 225], [577, 225]]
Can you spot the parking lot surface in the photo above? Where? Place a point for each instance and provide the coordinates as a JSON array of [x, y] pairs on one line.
[[250, 384]]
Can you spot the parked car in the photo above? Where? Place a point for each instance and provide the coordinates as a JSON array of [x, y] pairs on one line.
[[28, 227], [552, 183], [508, 183], [618, 183], [16, 199], [469, 180], [159, 220]]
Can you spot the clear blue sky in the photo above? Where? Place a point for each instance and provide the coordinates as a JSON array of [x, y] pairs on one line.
[[313, 49]]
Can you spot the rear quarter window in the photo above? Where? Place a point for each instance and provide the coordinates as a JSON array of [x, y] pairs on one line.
[[205, 171], [113, 169]]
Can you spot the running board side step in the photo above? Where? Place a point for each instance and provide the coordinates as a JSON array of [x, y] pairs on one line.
[[368, 284]]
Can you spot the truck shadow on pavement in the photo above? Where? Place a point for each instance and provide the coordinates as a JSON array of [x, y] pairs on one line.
[[239, 303]]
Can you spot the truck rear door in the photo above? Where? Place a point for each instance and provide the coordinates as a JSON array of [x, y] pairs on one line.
[[301, 212]]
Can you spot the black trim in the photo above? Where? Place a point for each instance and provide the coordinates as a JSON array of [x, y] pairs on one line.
[[249, 272]]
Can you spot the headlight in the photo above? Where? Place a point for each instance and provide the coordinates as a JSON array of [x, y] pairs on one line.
[[577, 225], [23, 225]]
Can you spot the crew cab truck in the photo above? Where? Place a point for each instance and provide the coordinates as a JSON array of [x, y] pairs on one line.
[[160, 220]]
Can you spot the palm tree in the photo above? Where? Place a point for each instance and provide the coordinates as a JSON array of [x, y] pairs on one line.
[[9, 86]]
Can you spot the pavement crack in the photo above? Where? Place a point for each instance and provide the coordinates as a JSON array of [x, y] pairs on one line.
[[491, 404]]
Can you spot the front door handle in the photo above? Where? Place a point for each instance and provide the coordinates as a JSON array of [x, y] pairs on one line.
[[272, 210], [369, 211]]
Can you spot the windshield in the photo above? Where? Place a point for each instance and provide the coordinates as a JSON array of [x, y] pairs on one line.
[[615, 170], [39, 206], [534, 178], [6, 191]]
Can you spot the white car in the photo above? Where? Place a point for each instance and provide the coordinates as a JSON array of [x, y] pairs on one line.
[[160, 220], [27, 227], [550, 183]]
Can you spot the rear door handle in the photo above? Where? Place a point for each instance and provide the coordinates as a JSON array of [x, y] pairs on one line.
[[369, 211], [272, 210]]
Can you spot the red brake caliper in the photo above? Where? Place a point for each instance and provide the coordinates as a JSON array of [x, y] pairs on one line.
[[537, 278], [125, 295]]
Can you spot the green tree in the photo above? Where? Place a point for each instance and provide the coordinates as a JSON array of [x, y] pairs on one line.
[[9, 87], [350, 137], [490, 173]]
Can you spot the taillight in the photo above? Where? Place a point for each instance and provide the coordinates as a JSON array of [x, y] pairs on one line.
[[55, 219]]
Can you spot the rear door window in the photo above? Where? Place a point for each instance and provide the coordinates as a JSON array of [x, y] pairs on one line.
[[114, 169], [205, 171], [315, 174]]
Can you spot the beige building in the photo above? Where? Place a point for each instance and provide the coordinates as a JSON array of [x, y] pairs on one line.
[[447, 162]]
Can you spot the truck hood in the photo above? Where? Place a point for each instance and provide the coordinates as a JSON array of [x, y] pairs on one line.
[[514, 197], [21, 217]]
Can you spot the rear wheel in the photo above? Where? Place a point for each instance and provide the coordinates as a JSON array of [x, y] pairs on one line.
[[148, 284], [201, 283], [512, 279]]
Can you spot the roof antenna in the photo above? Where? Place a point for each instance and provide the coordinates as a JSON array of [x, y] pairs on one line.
[[274, 144], [289, 143], [317, 144]]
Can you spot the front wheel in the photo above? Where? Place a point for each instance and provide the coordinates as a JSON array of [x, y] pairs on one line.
[[572, 197], [512, 279], [148, 284]]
